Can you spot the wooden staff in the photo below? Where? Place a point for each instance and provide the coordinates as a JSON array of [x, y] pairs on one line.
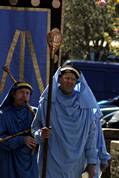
[[6, 69], [4, 139], [54, 41]]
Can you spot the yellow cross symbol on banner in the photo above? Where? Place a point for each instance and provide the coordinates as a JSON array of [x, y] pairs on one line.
[[23, 35]]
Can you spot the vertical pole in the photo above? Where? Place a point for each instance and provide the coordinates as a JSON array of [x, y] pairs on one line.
[[54, 41]]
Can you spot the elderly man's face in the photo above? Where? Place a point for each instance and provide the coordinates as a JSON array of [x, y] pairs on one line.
[[67, 82], [21, 96]]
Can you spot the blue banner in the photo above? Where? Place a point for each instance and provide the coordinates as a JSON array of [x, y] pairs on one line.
[[23, 48]]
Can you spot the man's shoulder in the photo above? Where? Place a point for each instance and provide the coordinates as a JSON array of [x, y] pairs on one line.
[[4, 110]]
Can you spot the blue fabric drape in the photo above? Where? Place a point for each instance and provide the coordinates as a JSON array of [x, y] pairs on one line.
[[36, 22]]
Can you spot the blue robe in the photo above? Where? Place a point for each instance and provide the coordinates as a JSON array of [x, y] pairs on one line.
[[16, 158], [72, 143], [87, 96]]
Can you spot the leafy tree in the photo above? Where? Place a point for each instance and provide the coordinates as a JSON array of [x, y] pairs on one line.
[[85, 22]]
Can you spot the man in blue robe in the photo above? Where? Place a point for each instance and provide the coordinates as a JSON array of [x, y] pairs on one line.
[[18, 156], [72, 139]]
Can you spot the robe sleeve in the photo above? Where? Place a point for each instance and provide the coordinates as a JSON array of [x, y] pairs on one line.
[[103, 155], [38, 122], [91, 152]]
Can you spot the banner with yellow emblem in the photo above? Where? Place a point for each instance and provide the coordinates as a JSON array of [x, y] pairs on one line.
[[23, 43]]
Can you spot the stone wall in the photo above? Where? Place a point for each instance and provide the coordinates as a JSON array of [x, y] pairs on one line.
[[112, 140], [114, 166]]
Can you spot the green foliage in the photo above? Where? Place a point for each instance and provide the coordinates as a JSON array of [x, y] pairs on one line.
[[85, 21]]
